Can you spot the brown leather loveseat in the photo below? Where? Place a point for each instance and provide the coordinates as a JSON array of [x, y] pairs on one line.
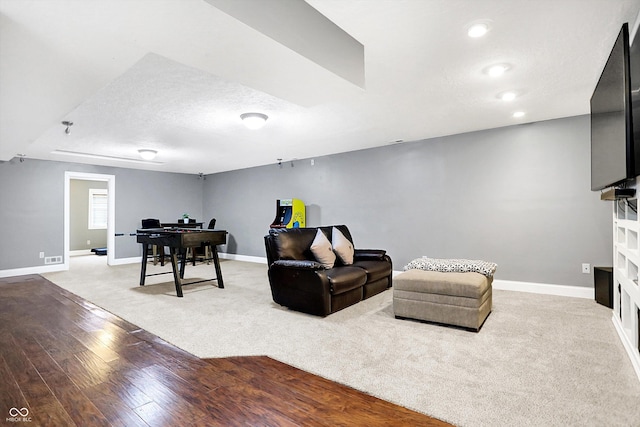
[[302, 277]]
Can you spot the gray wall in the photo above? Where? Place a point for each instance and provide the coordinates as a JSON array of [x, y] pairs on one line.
[[79, 232], [518, 196], [32, 206]]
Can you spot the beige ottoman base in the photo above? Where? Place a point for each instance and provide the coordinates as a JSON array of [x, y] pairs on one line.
[[459, 299]]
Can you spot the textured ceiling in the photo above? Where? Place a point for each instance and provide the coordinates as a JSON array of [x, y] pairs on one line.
[[174, 76]]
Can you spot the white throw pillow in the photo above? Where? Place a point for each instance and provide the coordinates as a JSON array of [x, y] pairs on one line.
[[321, 249], [342, 246]]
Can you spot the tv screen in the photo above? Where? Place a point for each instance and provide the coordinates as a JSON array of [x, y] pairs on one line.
[[613, 155], [634, 68]]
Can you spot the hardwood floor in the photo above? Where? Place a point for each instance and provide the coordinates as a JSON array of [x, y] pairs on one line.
[[70, 363]]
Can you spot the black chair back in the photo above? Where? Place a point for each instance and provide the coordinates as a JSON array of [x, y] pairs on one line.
[[151, 223], [212, 224]]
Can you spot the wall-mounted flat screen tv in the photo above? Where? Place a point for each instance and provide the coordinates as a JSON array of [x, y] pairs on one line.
[[634, 65], [615, 157]]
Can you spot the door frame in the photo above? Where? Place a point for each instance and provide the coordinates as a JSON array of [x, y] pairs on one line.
[[111, 210]]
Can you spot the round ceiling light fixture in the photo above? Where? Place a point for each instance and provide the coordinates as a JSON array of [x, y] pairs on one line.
[[254, 120], [508, 96], [518, 114], [478, 29], [497, 70], [147, 154]]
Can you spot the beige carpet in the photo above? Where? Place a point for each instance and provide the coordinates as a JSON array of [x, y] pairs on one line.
[[538, 361]]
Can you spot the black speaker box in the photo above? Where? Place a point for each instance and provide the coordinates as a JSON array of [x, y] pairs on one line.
[[603, 283]]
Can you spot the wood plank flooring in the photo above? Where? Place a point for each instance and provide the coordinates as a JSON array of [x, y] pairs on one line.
[[70, 363]]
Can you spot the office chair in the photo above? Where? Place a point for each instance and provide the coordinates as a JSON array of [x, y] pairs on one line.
[[156, 250], [207, 254], [151, 223]]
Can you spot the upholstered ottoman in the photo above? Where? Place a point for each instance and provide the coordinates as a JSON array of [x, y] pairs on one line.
[[460, 299]]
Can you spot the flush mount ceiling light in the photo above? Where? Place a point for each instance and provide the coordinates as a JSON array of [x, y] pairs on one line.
[[508, 96], [254, 120], [478, 29], [147, 154], [497, 70], [518, 114], [68, 124]]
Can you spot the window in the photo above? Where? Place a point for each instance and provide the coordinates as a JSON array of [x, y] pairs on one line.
[[97, 209]]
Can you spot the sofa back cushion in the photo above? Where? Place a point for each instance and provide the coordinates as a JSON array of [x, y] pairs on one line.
[[292, 243], [295, 243]]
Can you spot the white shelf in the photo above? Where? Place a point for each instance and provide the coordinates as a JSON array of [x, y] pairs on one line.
[[632, 240], [626, 292]]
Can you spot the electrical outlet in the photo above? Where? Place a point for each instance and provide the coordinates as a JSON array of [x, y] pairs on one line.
[[41, 254], [586, 268], [88, 242]]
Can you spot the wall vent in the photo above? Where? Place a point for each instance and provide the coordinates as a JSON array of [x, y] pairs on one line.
[[53, 260]]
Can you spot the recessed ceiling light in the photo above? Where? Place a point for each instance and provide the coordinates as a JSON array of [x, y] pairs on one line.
[[497, 70], [508, 96], [518, 114], [478, 30]]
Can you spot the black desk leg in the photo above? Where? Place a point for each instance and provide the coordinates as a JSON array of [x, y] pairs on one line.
[[183, 262], [216, 263], [143, 268], [176, 273]]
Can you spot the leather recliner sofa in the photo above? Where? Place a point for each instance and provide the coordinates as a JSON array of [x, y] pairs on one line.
[[300, 282]]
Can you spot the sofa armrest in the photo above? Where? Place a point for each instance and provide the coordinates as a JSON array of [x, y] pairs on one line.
[[301, 285], [304, 264], [369, 254]]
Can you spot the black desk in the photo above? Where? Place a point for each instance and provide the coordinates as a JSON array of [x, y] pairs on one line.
[[174, 225], [178, 240]]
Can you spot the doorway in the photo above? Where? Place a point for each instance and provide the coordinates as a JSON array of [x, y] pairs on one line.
[[110, 181]]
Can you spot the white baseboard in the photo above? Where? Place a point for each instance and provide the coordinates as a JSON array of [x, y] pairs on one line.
[[223, 255], [633, 354], [538, 288], [544, 288], [41, 269], [246, 258], [80, 252]]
